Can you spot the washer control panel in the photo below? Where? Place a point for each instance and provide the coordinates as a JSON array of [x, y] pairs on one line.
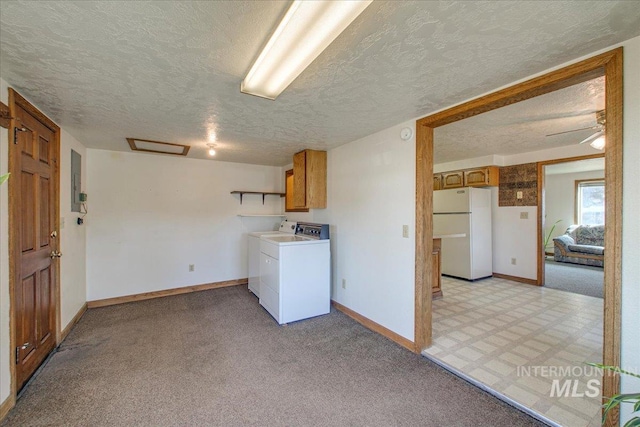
[[314, 231]]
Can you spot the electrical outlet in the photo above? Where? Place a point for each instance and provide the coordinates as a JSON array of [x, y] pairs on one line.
[[524, 215], [344, 283], [192, 267], [513, 261], [405, 231], [519, 195]]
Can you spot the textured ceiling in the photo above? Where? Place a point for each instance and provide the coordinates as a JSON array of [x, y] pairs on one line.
[[522, 127], [171, 71]]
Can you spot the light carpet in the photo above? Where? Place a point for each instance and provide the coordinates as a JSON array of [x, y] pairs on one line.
[[579, 279], [217, 358]]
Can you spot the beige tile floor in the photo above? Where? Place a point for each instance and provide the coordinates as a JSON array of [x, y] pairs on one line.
[[509, 337]]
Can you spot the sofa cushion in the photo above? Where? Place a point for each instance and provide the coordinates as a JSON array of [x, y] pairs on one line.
[[589, 235], [587, 249]]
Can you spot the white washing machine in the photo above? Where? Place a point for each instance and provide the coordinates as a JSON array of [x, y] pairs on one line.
[[295, 273], [253, 252]]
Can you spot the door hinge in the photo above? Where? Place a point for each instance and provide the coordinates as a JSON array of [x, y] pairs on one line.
[[17, 355], [15, 133]]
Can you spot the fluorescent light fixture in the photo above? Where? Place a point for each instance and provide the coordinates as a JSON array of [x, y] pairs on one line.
[[598, 143], [306, 30]]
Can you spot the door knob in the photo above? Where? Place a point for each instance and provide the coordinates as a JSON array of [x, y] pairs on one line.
[[24, 346], [54, 234], [55, 254]]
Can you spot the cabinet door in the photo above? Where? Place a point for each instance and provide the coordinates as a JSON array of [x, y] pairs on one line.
[[476, 177], [310, 179], [289, 205], [316, 168], [452, 179], [300, 180], [437, 182], [487, 176]]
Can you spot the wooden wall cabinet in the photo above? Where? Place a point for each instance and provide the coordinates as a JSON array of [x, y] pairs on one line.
[[452, 179], [310, 179], [288, 197], [437, 181], [487, 176]]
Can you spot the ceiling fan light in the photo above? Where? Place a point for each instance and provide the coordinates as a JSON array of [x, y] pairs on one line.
[[306, 30], [598, 143]]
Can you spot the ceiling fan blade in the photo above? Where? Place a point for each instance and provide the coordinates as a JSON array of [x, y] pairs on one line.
[[574, 130], [592, 137]]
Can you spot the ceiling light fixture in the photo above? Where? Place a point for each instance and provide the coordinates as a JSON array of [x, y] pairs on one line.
[[306, 30], [598, 143], [212, 149]]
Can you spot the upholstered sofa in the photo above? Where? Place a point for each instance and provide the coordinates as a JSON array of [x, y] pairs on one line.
[[581, 244]]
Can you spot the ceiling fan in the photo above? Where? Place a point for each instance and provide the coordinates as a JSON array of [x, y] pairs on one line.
[[596, 139]]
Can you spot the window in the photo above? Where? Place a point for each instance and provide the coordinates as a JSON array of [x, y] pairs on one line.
[[590, 202]]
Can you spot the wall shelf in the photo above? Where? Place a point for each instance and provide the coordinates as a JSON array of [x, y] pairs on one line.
[[241, 193]]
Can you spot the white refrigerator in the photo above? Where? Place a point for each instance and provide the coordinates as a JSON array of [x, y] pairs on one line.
[[465, 211]]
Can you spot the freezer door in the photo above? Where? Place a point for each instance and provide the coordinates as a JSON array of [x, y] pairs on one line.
[[453, 200], [455, 252]]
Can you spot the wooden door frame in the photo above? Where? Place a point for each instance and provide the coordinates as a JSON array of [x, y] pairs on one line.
[[608, 64], [15, 99], [542, 208]]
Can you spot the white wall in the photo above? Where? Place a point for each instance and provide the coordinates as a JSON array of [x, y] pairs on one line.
[[371, 194], [150, 216], [514, 237], [73, 241], [72, 246], [630, 223], [560, 200], [5, 385]]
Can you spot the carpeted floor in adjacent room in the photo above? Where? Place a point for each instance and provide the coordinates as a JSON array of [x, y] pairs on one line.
[[217, 358], [579, 279]]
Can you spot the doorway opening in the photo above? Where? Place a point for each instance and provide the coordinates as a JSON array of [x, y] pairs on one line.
[[573, 210], [608, 65]]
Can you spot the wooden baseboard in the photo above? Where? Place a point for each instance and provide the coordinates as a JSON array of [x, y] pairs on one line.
[[375, 327], [73, 322], [516, 279], [165, 293], [6, 406]]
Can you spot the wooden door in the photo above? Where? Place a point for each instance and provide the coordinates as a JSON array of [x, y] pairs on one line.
[[34, 155]]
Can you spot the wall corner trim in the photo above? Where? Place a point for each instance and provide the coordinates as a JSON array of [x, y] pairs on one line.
[[165, 293], [376, 327]]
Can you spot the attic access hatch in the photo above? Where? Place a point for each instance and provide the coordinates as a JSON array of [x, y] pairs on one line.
[[158, 147]]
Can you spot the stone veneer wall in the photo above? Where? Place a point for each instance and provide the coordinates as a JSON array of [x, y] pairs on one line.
[[518, 178]]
